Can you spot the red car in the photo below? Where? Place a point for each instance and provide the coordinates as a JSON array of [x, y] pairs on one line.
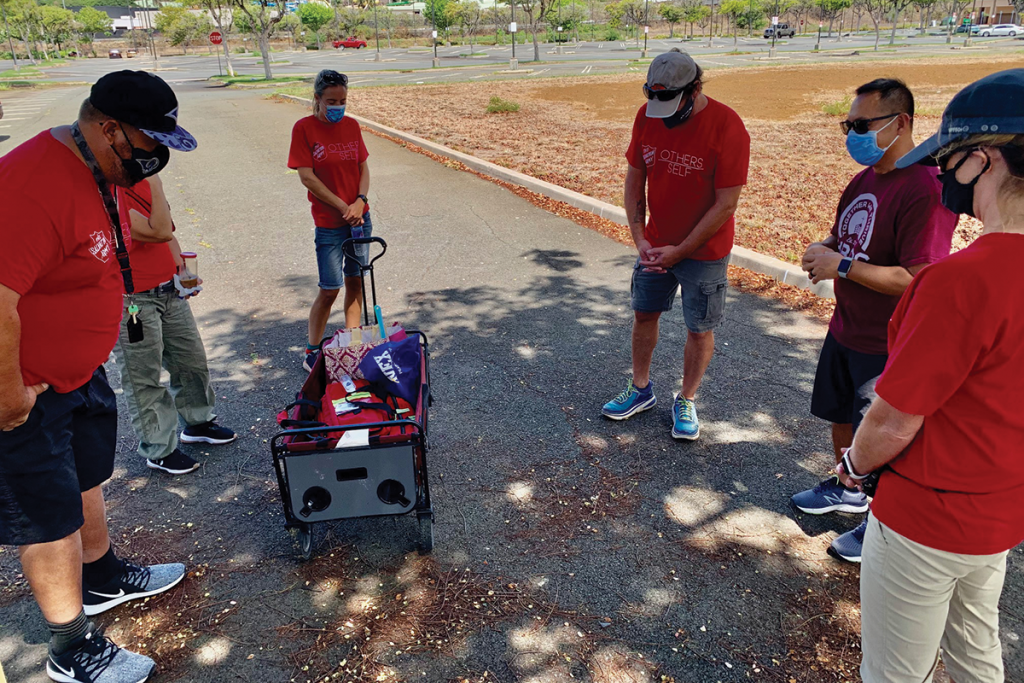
[[351, 41]]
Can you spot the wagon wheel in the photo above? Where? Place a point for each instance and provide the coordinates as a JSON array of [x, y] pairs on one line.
[[425, 542], [304, 541]]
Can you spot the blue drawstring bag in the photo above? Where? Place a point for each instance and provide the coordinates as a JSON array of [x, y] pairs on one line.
[[394, 368]]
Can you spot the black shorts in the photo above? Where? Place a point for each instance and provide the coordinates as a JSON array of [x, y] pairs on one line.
[[66, 447], [844, 383]]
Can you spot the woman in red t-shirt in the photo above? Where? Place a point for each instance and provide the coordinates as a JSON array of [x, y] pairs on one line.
[[328, 152], [947, 425]]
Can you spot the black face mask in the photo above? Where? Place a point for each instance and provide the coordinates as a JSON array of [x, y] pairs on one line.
[[959, 197], [142, 164], [681, 116]]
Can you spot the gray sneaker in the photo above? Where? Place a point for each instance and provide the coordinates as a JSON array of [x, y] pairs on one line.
[[97, 660], [134, 583]]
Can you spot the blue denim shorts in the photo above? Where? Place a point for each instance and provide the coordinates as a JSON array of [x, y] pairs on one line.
[[703, 284], [332, 264]]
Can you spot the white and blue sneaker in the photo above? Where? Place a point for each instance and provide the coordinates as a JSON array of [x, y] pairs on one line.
[[134, 583], [830, 496], [630, 402], [97, 660], [684, 419], [850, 545]]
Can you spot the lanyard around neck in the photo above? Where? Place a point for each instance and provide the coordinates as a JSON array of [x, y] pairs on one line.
[[111, 206]]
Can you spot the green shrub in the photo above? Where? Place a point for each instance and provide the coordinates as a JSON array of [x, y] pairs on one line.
[[611, 35], [500, 106], [839, 108]]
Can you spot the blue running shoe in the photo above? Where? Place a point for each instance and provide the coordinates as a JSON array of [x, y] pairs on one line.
[[684, 414], [850, 545], [830, 496], [630, 402]]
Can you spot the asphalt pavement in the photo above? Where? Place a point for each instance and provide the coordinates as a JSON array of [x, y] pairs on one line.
[[637, 556], [462, 63]]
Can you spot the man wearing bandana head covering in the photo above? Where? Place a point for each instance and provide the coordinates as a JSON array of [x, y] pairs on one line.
[[61, 275], [690, 153]]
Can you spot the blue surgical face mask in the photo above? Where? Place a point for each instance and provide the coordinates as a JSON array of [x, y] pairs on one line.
[[863, 147], [335, 114]]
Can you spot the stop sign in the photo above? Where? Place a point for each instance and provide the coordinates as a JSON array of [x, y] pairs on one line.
[[216, 38]]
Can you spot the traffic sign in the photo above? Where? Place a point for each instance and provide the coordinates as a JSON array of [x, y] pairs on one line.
[[647, 29], [775, 21], [216, 38], [512, 27]]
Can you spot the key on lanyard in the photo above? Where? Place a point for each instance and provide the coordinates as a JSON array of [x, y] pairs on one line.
[[134, 325]]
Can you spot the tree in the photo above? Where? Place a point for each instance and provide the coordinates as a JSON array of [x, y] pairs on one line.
[[831, 9], [876, 9], [733, 9], [534, 10], [9, 33], [314, 16], [896, 7], [182, 27], [438, 14], [693, 12], [263, 15], [26, 20], [673, 14], [468, 15], [385, 19], [92, 21], [223, 17], [927, 6], [348, 19], [627, 13], [292, 26]]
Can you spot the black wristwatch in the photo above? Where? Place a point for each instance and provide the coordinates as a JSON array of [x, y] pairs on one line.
[[363, 197], [847, 464]]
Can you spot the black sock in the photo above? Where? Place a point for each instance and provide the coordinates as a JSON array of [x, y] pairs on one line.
[[64, 636], [102, 571]]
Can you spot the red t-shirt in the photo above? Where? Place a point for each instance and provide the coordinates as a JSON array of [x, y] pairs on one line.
[[57, 252], [152, 263], [957, 358], [334, 151], [685, 165], [893, 219]]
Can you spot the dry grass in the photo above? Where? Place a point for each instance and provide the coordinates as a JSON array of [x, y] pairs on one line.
[[574, 134]]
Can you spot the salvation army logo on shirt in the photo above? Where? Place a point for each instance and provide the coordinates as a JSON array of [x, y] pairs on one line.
[[650, 155], [856, 225], [319, 152], [100, 245]]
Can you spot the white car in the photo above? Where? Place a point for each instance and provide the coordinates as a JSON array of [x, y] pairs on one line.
[[1000, 30]]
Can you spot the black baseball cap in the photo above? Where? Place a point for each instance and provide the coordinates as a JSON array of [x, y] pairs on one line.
[[145, 101], [993, 105]]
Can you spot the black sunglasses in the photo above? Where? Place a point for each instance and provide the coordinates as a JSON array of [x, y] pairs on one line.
[[862, 126], [661, 95], [334, 78]]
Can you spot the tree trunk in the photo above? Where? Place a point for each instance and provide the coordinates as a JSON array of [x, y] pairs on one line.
[[536, 45], [227, 56], [878, 33], [831, 18], [895, 20], [265, 51], [671, 31], [735, 34]]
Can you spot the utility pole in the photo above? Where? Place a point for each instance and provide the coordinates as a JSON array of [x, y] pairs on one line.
[[970, 25], [513, 63], [711, 25], [376, 30], [10, 40], [750, 23], [495, 22], [647, 23]]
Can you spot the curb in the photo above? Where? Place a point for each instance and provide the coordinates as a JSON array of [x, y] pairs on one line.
[[775, 268]]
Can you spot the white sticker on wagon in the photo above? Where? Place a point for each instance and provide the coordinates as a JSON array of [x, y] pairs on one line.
[[354, 438]]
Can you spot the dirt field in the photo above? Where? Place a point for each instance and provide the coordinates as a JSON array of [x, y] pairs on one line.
[[573, 132]]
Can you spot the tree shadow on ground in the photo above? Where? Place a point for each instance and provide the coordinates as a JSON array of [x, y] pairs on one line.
[[573, 547]]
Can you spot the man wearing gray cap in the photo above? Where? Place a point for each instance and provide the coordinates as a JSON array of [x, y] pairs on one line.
[[63, 264], [691, 154]]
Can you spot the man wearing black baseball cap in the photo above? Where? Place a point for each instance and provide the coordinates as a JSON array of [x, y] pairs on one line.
[[688, 160], [946, 431], [63, 265]]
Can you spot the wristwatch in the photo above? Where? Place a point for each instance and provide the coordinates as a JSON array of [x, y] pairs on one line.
[[363, 197], [844, 267], [847, 464]]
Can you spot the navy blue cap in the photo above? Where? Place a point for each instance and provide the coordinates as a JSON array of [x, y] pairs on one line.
[[993, 105]]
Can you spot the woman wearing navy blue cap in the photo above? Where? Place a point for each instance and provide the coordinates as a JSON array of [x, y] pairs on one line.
[[947, 430]]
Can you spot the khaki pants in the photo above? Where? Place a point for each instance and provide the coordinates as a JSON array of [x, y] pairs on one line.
[[915, 599], [171, 342]]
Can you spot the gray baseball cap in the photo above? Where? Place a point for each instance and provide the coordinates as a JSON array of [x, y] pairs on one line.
[[672, 70]]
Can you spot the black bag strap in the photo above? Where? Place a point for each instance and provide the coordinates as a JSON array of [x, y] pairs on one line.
[[110, 204], [303, 402]]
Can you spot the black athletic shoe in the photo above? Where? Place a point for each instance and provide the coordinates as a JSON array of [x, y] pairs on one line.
[[175, 463], [134, 583], [97, 660], [310, 360], [208, 432]]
